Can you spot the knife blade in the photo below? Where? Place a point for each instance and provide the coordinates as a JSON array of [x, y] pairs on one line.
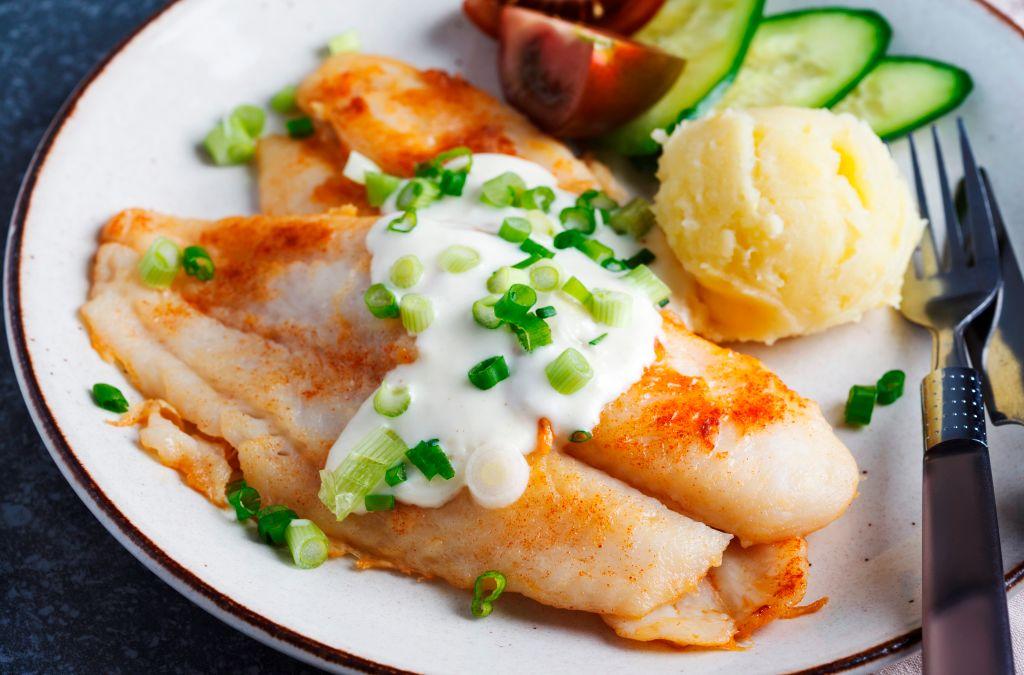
[[995, 340]]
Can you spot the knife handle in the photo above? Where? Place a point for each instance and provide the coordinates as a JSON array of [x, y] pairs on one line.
[[965, 625]]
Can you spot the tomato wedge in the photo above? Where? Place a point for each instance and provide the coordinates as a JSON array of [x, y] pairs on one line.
[[618, 16], [574, 81]]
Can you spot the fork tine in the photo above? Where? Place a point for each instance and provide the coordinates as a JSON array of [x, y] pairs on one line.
[[929, 259], [954, 234], [978, 217]]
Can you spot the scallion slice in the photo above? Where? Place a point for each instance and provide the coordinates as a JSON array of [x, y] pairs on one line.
[[457, 259], [272, 522], [527, 262], [379, 502], [545, 312], [229, 142], [159, 264], [614, 265], [391, 400], [357, 166], [569, 372], [635, 218], [580, 436], [539, 198], [515, 229], [300, 127], [542, 223], [284, 100], [406, 271], [453, 182], [860, 404], [596, 251], [483, 599], [545, 275], [197, 263], [404, 223], [647, 281], [598, 340], [569, 239], [360, 471], [458, 159], [251, 117], [504, 277], [483, 311], [489, 372], [612, 308], [515, 303], [418, 193], [597, 200], [307, 543], [575, 289], [890, 386], [396, 475], [381, 302], [345, 42], [379, 187], [502, 190], [537, 250], [642, 257], [417, 312], [109, 397], [431, 460], [244, 499], [578, 218], [532, 332]]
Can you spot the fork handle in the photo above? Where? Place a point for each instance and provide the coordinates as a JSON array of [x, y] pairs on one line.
[[965, 625]]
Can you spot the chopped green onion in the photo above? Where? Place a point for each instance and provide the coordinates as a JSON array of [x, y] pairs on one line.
[[534, 249], [358, 166], [431, 460], [417, 312], [504, 277], [545, 312], [569, 373], [457, 259], [635, 218], [406, 271], [539, 198], [159, 265], [346, 42], [483, 311], [197, 263], [890, 386], [612, 308], [379, 187], [614, 265], [515, 229], [379, 502], [532, 332], [502, 190], [642, 257], [360, 471], [244, 499], [515, 303], [272, 521], [489, 372], [542, 223], [453, 182], [436, 166], [381, 302], [251, 117], [417, 193], [391, 401], [300, 127], [109, 397], [229, 142], [404, 223], [284, 100], [598, 340], [580, 436], [575, 289], [596, 251], [396, 475], [545, 276], [483, 600], [578, 218], [647, 281], [597, 200], [527, 262], [860, 404], [307, 543], [569, 239]]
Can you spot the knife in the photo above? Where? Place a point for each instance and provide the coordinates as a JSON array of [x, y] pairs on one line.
[[995, 340]]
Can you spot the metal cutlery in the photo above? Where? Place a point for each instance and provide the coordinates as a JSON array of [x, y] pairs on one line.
[[965, 625]]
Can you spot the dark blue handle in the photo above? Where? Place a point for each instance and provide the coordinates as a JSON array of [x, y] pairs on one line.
[[966, 629]]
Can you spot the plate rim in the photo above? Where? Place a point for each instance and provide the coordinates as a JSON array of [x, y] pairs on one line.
[[144, 549]]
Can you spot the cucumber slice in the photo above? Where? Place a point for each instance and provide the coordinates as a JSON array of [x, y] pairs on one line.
[[902, 93], [809, 58], [712, 35]]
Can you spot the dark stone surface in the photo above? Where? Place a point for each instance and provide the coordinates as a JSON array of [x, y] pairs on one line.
[[71, 599]]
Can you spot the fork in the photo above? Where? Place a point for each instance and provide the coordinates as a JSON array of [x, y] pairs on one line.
[[965, 625]]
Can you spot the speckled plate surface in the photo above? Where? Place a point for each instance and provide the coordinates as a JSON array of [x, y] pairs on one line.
[[127, 138]]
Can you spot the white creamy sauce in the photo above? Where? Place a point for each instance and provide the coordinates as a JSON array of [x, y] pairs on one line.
[[486, 434]]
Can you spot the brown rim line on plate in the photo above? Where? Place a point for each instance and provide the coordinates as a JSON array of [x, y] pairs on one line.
[[143, 548]]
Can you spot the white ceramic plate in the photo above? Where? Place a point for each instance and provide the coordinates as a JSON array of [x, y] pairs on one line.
[[127, 138]]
